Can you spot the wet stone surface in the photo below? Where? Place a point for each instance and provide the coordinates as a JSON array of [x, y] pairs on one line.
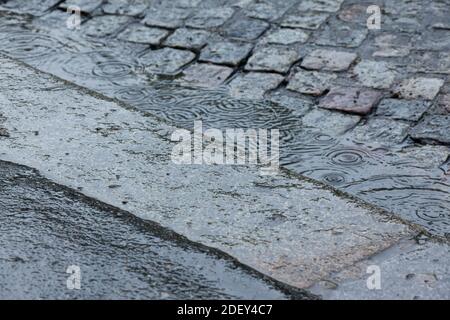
[[419, 88], [310, 82], [374, 74], [328, 60], [166, 61], [272, 58], [230, 53], [286, 36], [206, 75], [398, 109], [353, 100], [142, 34], [188, 39], [433, 128]]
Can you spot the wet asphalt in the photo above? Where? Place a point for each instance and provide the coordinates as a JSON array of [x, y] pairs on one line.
[[51, 230]]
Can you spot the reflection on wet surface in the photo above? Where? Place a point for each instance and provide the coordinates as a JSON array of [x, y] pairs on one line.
[[418, 190]]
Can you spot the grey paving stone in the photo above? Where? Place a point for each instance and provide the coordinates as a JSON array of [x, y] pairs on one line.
[[375, 74], [245, 28], [165, 17], [433, 128], [329, 122], [329, 60], [188, 39], [125, 7], [354, 13], [433, 40], [311, 82], [33, 7], [209, 18], [103, 26], [205, 75], [237, 204], [419, 88], [87, 6], [320, 5], [285, 36], [425, 156], [166, 60], [254, 85], [272, 58], [142, 34], [384, 132], [442, 104], [429, 62], [407, 271], [305, 20], [390, 45], [270, 10], [182, 3], [55, 18], [299, 106], [353, 100], [411, 110], [225, 52], [342, 35]]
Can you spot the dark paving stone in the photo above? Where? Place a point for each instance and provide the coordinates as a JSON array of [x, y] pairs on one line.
[[205, 75], [209, 18], [342, 35], [142, 34], [188, 39], [246, 28], [411, 110], [225, 52], [254, 85], [272, 58], [353, 100], [45, 228], [433, 128], [384, 132], [166, 61]]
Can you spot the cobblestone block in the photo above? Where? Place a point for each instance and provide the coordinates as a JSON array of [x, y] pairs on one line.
[[411, 110], [342, 35], [222, 52], [188, 38], [165, 17], [87, 6], [311, 82], [320, 5], [205, 75], [142, 34], [286, 36], [433, 128], [305, 20], [254, 85], [384, 132], [33, 7], [246, 28], [443, 104], [329, 122], [419, 88], [375, 74], [271, 58], [267, 9], [354, 13], [104, 26], [353, 100], [166, 61], [209, 18], [392, 45], [328, 60], [124, 7]]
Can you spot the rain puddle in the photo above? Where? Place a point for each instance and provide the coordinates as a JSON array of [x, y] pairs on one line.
[[410, 180]]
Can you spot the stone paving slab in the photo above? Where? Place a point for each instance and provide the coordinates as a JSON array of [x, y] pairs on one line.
[[292, 229]]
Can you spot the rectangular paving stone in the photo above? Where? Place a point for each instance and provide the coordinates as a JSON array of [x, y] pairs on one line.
[[320, 5], [375, 74], [352, 100], [142, 34], [443, 104], [254, 85], [285, 36], [165, 17], [209, 18], [244, 28], [411, 110], [87, 6], [225, 52], [384, 132], [205, 75], [33, 7], [103, 26], [329, 60], [188, 39], [287, 227], [166, 61], [329, 122], [341, 35], [391, 45], [272, 58], [125, 7], [433, 128], [305, 20], [311, 82], [407, 271], [419, 88], [269, 10]]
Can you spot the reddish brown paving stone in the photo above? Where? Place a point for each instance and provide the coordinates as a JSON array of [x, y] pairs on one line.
[[352, 100]]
